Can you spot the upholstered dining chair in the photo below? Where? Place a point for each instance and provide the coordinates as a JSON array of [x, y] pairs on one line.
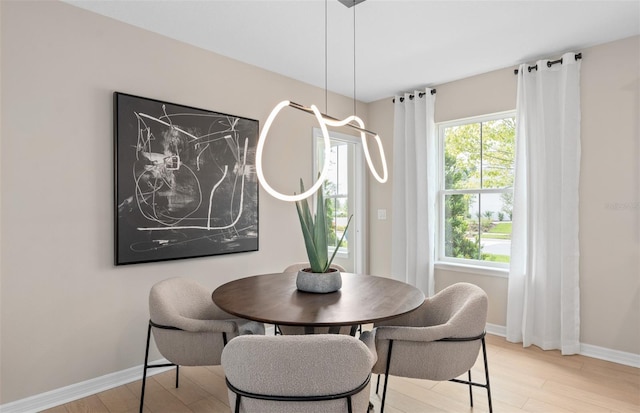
[[188, 328], [299, 374], [289, 330], [438, 341]]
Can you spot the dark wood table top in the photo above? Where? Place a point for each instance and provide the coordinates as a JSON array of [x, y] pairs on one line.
[[274, 299]]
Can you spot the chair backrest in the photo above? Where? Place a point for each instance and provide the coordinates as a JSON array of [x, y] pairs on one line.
[[462, 305], [298, 366], [179, 297], [461, 311], [302, 265], [180, 302]]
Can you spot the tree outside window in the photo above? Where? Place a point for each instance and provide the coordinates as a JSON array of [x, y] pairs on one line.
[[337, 196]]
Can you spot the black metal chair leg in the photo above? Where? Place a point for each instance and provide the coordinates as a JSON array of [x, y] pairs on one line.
[[378, 384], [177, 375], [470, 389], [146, 364], [237, 410], [384, 393], [386, 377], [486, 373]]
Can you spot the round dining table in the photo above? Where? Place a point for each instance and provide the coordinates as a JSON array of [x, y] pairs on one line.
[[274, 299]]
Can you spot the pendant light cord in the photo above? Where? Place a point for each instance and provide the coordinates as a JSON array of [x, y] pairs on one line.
[[354, 57], [326, 59]]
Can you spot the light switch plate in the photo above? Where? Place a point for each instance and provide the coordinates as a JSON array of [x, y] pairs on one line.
[[382, 214]]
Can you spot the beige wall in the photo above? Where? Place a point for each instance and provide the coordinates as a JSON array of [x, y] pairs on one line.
[[67, 314], [609, 190], [381, 121], [610, 196]]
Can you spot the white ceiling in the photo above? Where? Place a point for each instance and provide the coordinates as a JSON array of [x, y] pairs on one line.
[[401, 45]]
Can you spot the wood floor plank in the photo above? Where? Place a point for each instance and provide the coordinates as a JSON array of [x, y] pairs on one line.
[[537, 406], [188, 391], [57, 409], [158, 399], [608, 371], [91, 404], [214, 384], [599, 398], [592, 383], [597, 363], [408, 404], [208, 405], [119, 399]]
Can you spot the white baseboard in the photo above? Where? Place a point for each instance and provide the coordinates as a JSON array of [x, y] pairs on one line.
[[77, 391], [496, 330], [588, 350], [615, 356]]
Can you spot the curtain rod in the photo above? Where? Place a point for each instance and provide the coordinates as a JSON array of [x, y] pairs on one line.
[[421, 94], [549, 63]]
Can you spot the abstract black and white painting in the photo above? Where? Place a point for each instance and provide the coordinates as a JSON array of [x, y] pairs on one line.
[[185, 181]]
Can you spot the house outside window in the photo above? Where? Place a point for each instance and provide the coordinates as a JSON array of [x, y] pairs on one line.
[[475, 197]]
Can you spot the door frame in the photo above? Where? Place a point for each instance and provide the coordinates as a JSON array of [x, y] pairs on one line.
[[360, 193]]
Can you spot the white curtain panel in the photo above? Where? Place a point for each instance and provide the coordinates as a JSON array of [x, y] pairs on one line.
[[544, 298], [413, 215]]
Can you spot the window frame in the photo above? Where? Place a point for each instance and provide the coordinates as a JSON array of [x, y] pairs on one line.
[[453, 263]]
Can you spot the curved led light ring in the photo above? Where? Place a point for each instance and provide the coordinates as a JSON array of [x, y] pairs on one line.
[[338, 123], [385, 174], [260, 147]]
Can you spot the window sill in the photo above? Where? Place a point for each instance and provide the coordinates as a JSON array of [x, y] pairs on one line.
[[472, 269]]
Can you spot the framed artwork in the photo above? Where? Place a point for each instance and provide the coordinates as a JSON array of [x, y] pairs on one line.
[[185, 181]]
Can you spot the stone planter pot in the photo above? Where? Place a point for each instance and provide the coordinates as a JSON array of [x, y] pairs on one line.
[[320, 283]]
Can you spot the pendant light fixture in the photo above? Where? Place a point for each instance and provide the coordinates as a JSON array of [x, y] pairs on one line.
[[353, 122]]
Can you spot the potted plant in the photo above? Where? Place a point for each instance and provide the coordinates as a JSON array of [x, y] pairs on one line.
[[320, 277]]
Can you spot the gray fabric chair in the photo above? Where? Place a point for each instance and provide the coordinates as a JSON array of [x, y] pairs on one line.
[[188, 328], [438, 341], [299, 374], [290, 330]]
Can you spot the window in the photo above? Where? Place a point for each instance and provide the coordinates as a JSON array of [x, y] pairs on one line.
[[336, 189], [477, 159], [344, 195]]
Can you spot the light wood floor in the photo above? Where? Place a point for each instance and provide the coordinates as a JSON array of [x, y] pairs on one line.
[[522, 380]]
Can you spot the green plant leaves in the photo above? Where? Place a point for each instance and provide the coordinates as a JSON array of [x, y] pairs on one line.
[[315, 232]]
